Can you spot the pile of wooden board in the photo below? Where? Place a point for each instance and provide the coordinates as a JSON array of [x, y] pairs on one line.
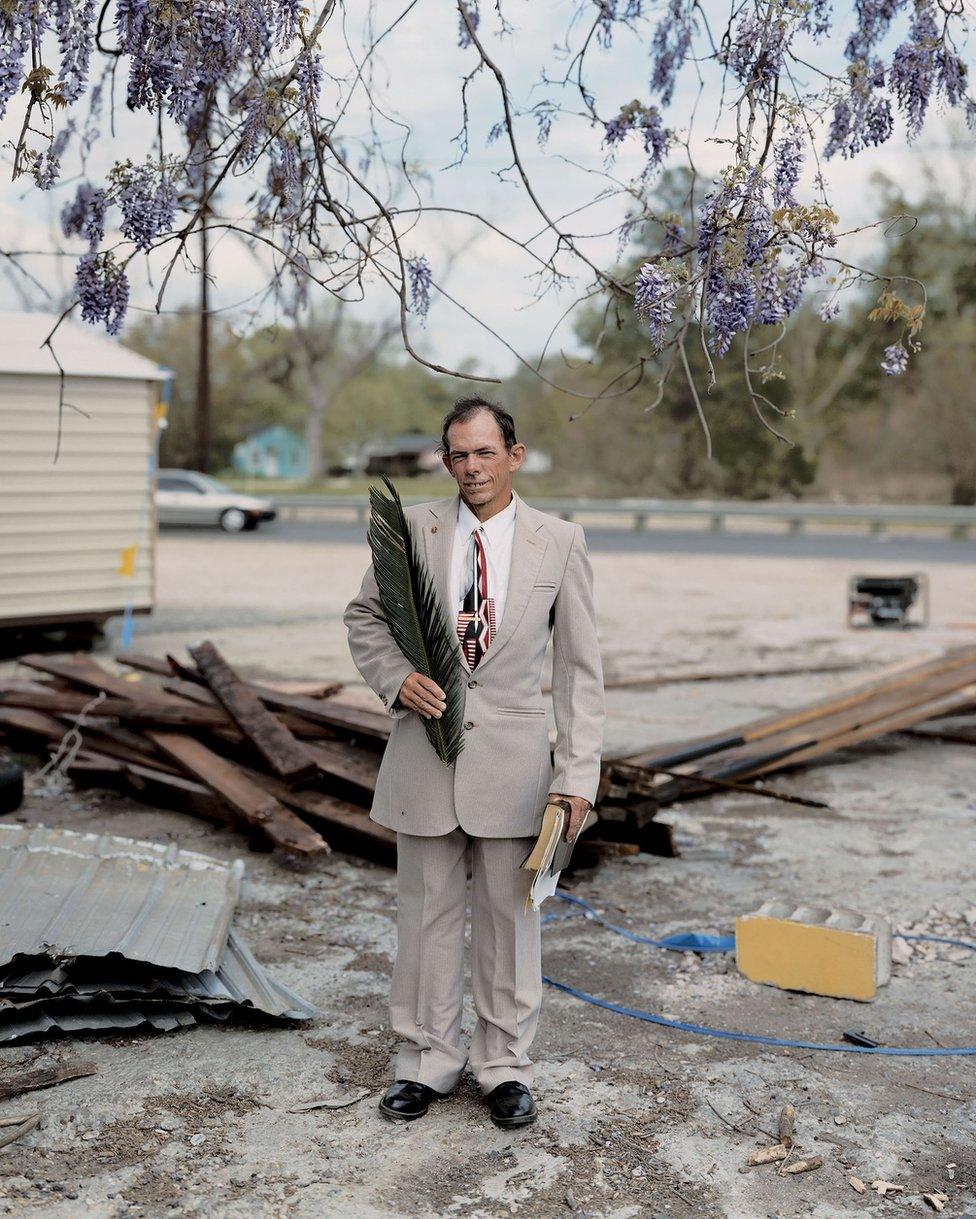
[[295, 773], [897, 699]]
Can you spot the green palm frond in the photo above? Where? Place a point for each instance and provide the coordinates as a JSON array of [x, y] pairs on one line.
[[417, 620]]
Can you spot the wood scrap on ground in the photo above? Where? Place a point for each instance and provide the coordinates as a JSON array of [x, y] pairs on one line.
[[900, 697], [296, 769], [46, 1077], [222, 754], [283, 752], [293, 770]]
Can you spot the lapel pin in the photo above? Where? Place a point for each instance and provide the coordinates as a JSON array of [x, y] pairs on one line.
[[433, 528]]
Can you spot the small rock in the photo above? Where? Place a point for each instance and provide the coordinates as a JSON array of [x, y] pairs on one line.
[[196, 1139]]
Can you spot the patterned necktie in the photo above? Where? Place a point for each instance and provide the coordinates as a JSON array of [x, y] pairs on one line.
[[476, 617]]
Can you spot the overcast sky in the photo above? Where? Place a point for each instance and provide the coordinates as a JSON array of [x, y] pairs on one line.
[[416, 78]]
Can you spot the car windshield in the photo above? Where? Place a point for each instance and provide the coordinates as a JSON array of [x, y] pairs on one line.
[[213, 483]]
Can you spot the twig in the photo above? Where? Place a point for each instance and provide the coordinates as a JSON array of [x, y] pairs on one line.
[[625, 769], [25, 1127]]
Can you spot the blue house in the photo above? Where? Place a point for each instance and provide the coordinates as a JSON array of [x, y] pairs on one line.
[[274, 452]]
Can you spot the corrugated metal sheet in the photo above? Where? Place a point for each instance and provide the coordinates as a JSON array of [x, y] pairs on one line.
[[99, 932], [164, 1020], [238, 981], [83, 350], [65, 894]]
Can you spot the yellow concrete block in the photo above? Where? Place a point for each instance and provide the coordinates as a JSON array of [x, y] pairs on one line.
[[838, 953]]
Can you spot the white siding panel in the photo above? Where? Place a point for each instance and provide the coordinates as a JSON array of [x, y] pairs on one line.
[[64, 524]]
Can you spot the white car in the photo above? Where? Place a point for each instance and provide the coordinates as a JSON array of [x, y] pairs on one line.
[[186, 497]]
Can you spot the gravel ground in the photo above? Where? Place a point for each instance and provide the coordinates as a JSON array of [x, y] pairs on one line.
[[635, 1119]]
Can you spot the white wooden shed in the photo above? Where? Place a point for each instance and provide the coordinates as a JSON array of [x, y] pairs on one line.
[[77, 533]]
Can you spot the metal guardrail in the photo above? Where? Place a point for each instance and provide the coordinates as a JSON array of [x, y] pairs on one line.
[[878, 518]]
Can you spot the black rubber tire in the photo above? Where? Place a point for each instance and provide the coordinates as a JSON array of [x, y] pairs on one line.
[[11, 787]]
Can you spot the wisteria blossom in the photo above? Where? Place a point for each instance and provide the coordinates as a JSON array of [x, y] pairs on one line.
[[243, 96], [654, 295], [419, 273], [895, 359]]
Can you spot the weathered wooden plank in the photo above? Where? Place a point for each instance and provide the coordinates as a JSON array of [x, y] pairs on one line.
[[370, 725], [37, 724], [373, 726], [81, 670], [348, 827], [341, 760], [151, 785], [145, 709], [258, 809], [285, 754], [897, 678], [296, 724]]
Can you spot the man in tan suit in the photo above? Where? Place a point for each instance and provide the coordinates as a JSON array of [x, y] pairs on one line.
[[509, 576]]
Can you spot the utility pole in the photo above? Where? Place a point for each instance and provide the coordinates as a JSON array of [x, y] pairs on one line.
[[202, 409]]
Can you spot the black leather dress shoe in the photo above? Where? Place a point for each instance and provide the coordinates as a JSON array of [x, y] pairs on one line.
[[407, 1099], [511, 1105]]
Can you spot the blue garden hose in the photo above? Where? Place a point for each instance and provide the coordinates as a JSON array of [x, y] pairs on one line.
[[693, 942]]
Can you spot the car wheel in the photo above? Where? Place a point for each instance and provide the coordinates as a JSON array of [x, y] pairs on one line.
[[233, 520]]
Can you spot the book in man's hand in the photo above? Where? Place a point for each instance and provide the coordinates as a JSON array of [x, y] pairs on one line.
[[551, 852]]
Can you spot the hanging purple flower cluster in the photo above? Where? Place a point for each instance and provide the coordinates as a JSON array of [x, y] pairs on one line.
[[757, 245], [863, 117], [103, 289], [84, 216], [895, 360], [647, 121], [788, 161], [755, 250], [758, 47], [180, 58], [285, 172], [670, 47], [419, 274], [922, 66], [147, 198], [655, 289], [474, 16]]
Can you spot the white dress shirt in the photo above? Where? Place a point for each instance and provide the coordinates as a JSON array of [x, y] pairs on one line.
[[496, 534]]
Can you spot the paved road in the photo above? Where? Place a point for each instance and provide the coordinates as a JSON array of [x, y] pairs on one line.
[[918, 549]]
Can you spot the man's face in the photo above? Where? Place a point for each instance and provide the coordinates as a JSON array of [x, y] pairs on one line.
[[480, 463]]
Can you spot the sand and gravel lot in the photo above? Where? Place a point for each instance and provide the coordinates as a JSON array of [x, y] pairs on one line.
[[636, 1120]]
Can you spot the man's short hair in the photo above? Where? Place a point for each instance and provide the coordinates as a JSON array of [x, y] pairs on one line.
[[464, 408]]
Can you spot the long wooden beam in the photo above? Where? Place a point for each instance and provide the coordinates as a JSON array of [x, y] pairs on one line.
[[257, 808], [896, 678], [284, 753]]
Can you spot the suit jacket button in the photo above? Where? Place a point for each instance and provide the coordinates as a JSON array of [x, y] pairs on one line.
[[469, 723], [472, 683]]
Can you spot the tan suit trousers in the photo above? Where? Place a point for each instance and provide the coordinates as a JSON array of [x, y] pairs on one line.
[[427, 991]]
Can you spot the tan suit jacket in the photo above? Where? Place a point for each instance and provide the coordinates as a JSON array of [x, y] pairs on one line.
[[498, 785]]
